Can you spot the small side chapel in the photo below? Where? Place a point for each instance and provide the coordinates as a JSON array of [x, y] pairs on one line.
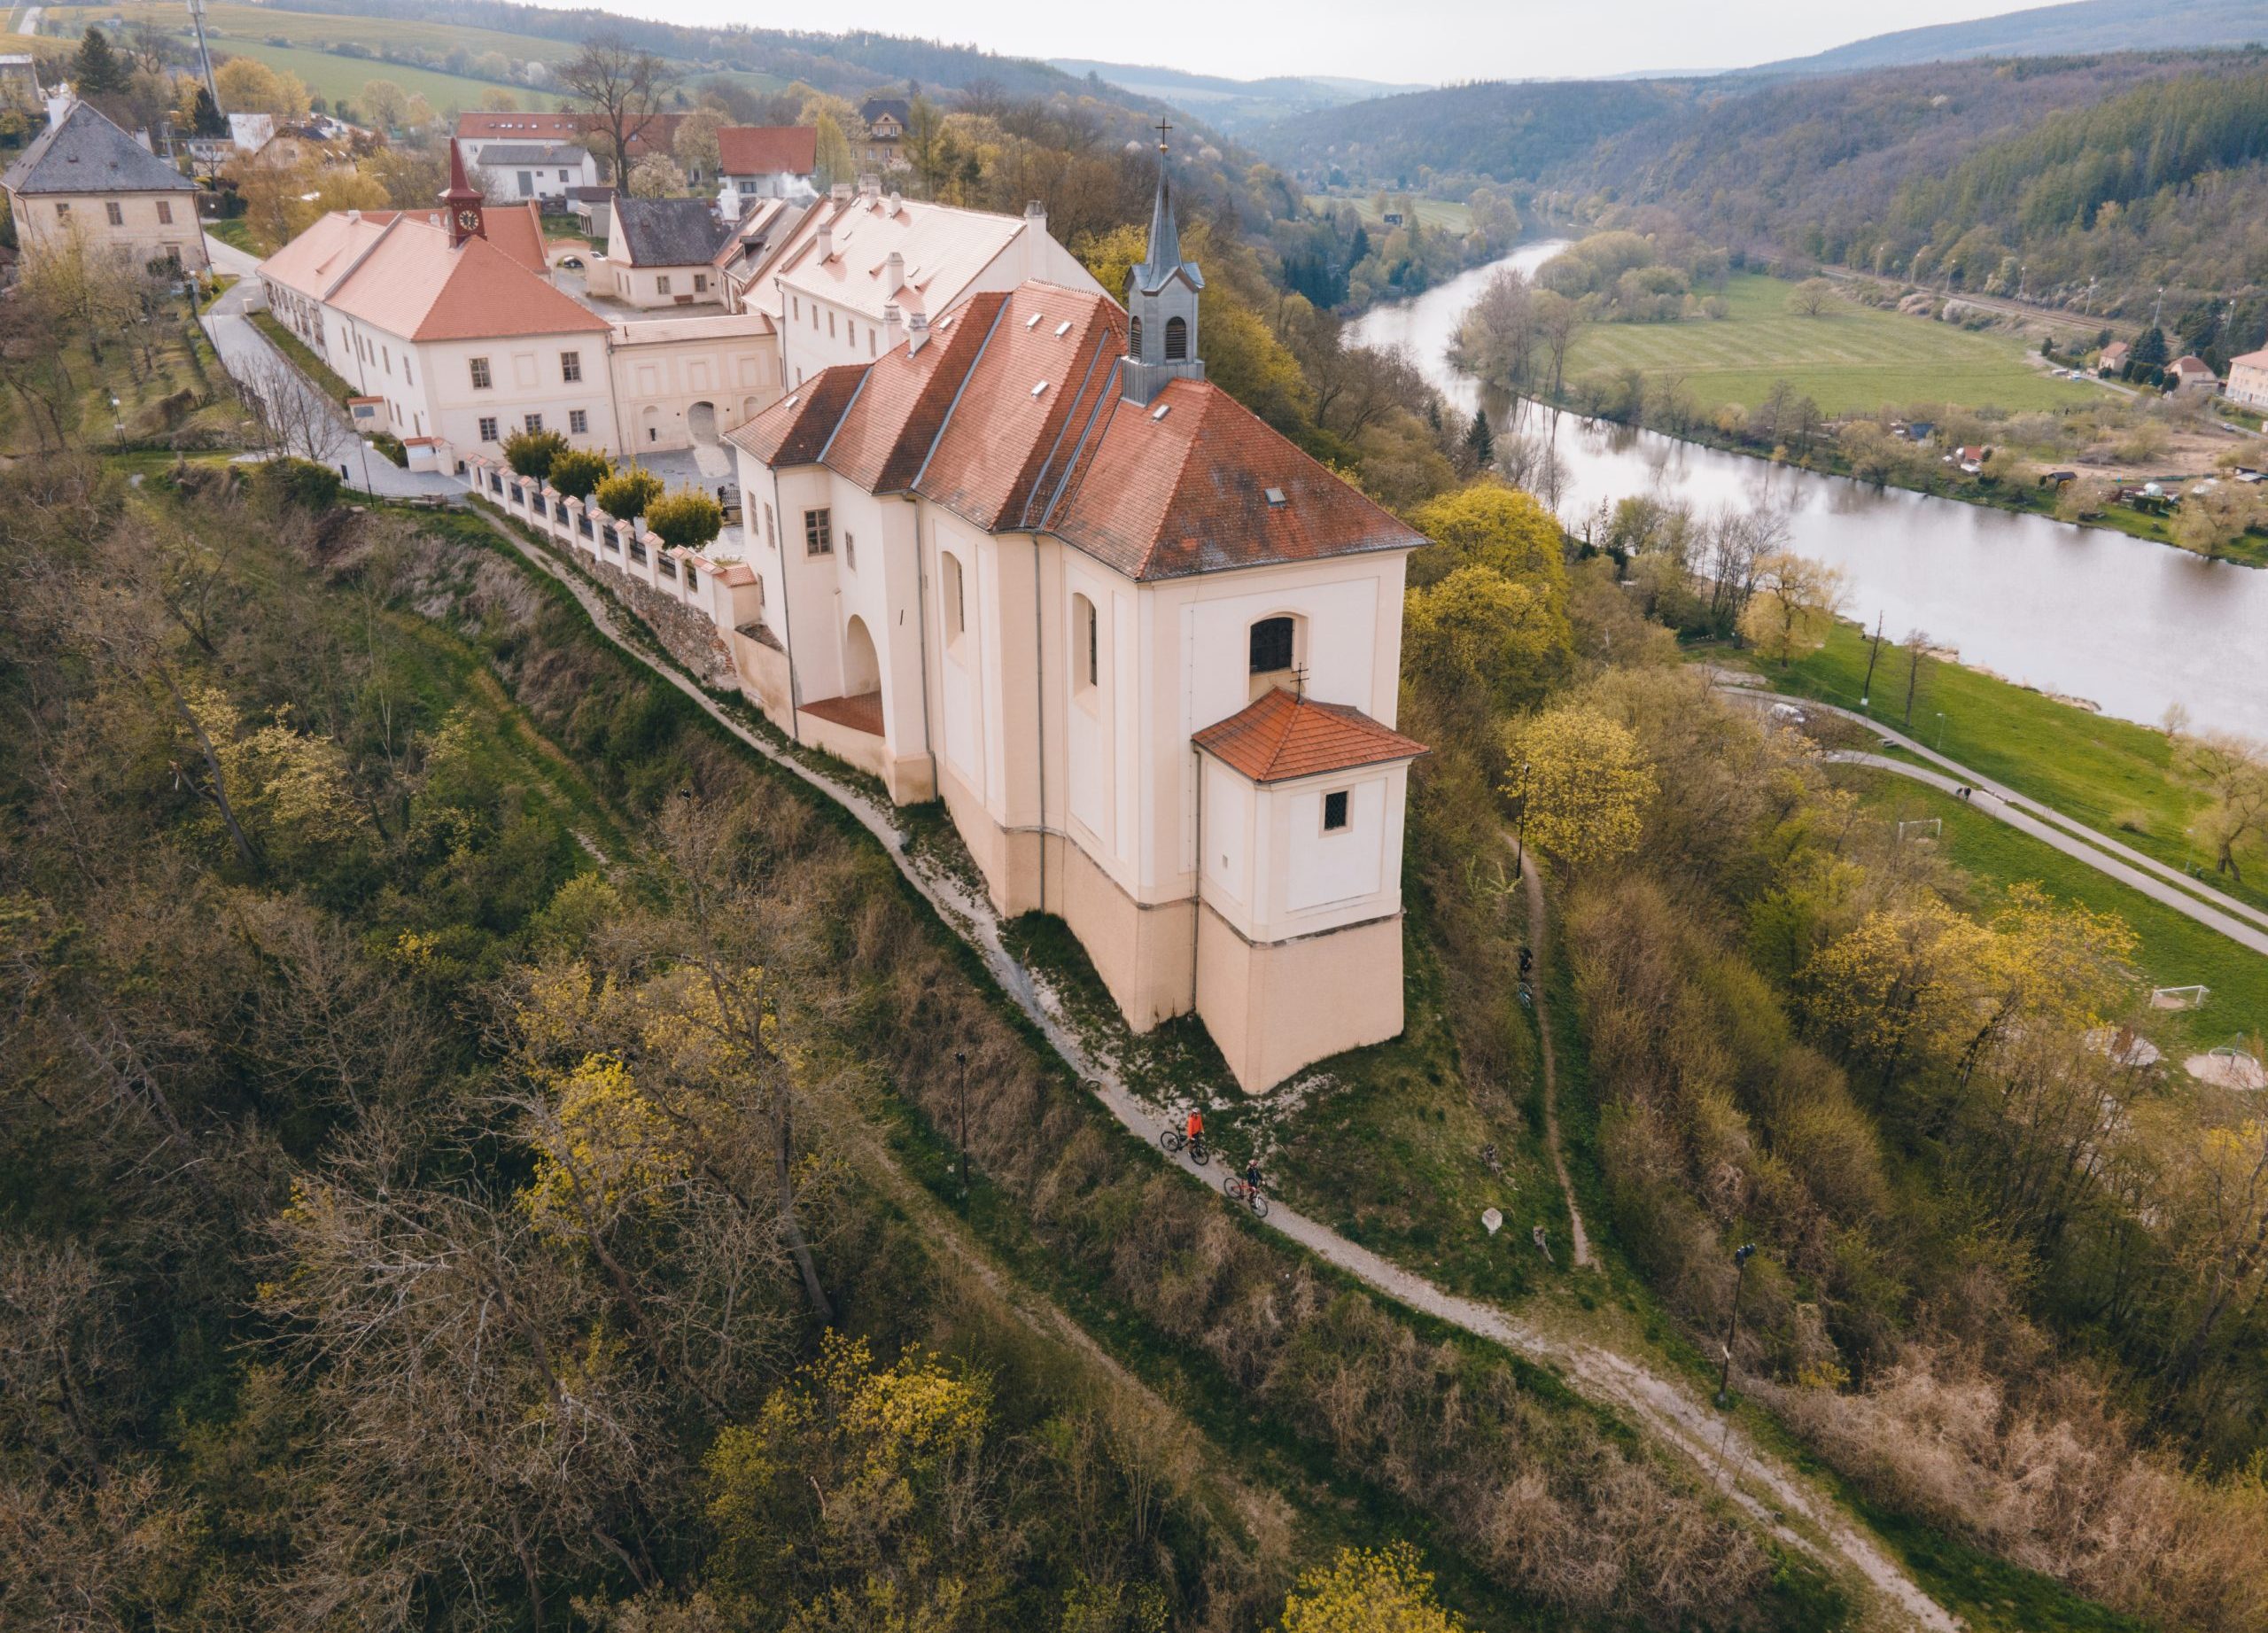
[[1030, 562]]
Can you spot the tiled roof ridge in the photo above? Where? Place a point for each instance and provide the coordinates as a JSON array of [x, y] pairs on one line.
[[1026, 521], [975, 361], [1257, 742]]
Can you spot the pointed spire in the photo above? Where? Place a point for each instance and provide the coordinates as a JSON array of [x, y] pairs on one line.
[[1165, 234], [461, 204]]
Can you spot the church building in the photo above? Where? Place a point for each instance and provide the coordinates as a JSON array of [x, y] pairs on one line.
[[1027, 559]]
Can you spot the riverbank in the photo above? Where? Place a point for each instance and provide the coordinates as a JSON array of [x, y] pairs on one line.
[[2112, 775]]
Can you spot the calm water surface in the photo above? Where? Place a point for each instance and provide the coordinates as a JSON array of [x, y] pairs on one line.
[[2132, 626]]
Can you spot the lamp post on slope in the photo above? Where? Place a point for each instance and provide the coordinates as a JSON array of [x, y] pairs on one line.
[[1741, 1257]]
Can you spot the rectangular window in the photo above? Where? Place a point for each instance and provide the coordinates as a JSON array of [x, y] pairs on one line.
[[700, 282], [830, 325], [570, 366], [165, 212], [795, 307], [481, 378], [1334, 811], [408, 378], [771, 538], [117, 213], [1094, 645], [534, 422], [851, 551], [662, 284], [488, 428], [819, 533], [692, 579], [1271, 646], [62, 210], [579, 421], [385, 357]]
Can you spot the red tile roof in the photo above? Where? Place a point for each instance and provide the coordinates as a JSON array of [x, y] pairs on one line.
[[768, 150], [795, 430], [1033, 394], [1281, 737], [654, 137], [889, 428], [398, 271], [1196, 483]]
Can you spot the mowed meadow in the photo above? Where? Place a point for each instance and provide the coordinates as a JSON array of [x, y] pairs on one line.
[[1849, 359]]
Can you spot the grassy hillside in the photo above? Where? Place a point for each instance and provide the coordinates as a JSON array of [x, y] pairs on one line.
[[1849, 359], [1505, 132]]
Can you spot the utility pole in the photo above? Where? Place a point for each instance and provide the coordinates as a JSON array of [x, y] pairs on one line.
[[204, 54], [1741, 1257]]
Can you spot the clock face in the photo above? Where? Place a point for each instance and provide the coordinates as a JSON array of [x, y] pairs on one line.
[[468, 219]]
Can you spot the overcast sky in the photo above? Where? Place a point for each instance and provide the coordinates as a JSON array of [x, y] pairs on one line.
[[1422, 41]]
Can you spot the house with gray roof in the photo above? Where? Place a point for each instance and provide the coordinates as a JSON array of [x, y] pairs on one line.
[[548, 172], [84, 182], [658, 253]]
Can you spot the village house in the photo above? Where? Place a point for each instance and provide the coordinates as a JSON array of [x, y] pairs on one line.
[[547, 171], [2191, 376], [2114, 357], [2249, 379], [658, 253], [475, 131], [879, 143], [763, 161], [449, 320], [84, 182], [1023, 557]]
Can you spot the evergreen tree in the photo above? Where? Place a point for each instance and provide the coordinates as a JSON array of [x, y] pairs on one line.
[[1359, 250], [205, 120], [2149, 352], [1479, 442], [99, 71]]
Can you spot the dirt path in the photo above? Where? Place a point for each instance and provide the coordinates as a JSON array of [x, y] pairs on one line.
[[1774, 1495], [1537, 926]]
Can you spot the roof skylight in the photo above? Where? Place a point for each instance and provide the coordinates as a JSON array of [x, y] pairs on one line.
[[1032, 322], [1039, 388], [1063, 329], [1162, 411], [1275, 495]]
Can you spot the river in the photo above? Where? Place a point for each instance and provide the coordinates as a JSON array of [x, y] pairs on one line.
[[2132, 627]]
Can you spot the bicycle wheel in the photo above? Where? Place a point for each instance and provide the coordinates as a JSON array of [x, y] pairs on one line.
[[1232, 1188], [1259, 1201], [1199, 1152], [1170, 1139]]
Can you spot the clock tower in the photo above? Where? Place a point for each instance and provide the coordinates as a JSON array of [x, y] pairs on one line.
[[461, 204]]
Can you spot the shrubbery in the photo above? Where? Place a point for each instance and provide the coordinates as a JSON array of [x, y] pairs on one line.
[[688, 518], [625, 495]]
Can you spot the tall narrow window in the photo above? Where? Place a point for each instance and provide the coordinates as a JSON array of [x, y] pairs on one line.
[[662, 284], [850, 549], [819, 533], [956, 598], [481, 377], [1094, 645], [1271, 646], [1134, 338], [165, 213], [570, 366], [117, 215], [1177, 340]]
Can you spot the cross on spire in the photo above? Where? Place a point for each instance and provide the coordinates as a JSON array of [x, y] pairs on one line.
[[1164, 125]]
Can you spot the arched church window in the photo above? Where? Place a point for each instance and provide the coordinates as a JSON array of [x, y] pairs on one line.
[[1134, 338], [1177, 340], [1271, 645]]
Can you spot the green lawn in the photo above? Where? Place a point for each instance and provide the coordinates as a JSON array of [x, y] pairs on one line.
[[322, 31], [2175, 951], [2109, 774], [1849, 359], [1447, 213]]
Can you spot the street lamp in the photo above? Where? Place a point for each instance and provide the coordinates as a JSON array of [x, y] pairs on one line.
[[1519, 833], [118, 422], [1741, 1257], [1941, 731], [961, 1061]]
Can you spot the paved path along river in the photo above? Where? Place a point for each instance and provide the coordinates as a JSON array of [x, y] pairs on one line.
[[2132, 626], [1772, 1492]]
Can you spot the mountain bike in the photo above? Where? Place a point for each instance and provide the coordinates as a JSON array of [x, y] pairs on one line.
[[1250, 1196], [1175, 1142]]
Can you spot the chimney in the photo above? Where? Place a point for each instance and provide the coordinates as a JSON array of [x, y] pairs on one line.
[[353, 215], [894, 272], [916, 332], [893, 205], [825, 241], [870, 187], [840, 192], [893, 327], [1036, 217]]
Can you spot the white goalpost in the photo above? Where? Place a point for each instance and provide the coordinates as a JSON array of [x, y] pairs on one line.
[[1927, 827], [2179, 997]]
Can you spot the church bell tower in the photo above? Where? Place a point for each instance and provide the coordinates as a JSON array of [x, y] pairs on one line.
[[1162, 302], [460, 205]]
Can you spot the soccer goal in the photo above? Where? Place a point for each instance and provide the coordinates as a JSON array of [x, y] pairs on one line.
[[2178, 997], [1924, 828]]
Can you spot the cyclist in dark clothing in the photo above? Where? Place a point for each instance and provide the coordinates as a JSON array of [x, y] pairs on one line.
[[1251, 1173]]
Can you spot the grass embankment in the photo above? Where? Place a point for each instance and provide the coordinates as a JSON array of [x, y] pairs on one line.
[[2174, 950], [234, 231], [302, 357], [2110, 774], [1850, 359]]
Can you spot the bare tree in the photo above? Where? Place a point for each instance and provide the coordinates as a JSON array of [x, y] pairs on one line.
[[294, 417], [620, 87]]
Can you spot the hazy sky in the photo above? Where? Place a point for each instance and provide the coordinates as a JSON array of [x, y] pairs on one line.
[[1432, 41]]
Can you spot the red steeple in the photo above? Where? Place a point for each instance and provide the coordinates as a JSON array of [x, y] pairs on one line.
[[462, 203]]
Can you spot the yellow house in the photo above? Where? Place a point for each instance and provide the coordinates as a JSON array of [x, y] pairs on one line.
[[84, 182]]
